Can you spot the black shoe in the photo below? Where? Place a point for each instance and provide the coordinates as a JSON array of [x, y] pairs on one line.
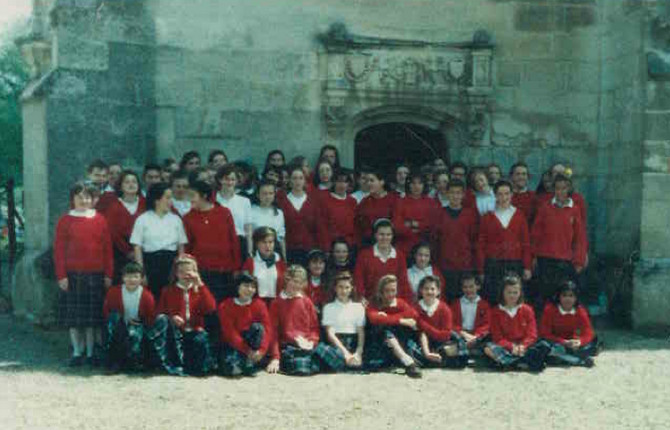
[[588, 362], [75, 361], [413, 371], [90, 362]]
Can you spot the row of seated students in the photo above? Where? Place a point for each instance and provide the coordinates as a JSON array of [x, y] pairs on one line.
[[289, 334], [92, 248]]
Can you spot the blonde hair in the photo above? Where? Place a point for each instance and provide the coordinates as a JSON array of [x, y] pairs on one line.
[[296, 272], [181, 260], [381, 284]]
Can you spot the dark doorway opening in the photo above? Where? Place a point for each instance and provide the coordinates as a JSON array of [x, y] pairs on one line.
[[387, 145]]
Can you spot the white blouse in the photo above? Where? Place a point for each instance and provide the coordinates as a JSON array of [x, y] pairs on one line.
[[344, 318], [266, 217], [155, 233]]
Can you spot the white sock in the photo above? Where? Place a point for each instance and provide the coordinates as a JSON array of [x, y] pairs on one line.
[[75, 340], [90, 341], [406, 360]]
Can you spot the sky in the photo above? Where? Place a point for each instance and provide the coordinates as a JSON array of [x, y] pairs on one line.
[[13, 10]]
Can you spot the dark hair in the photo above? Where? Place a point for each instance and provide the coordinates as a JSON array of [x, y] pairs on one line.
[[502, 183], [97, 164], [562, 178], [225, 171], [78, 188], [342, 275], [416, 175], [510, 278], [132, 267], [494, 165], [261, 233], [517, 165], [188, 156], [316, 254], [427, 280], [270, 154], [382, 222], [244, 168], [167, 162], [418, 246], [122, 177], [257, 197], [151, 166], [567, 286], [381, 175], [179, 174], [458, 164], [213, 153], [317, 177], [329, 147], [456, 183], [469, 276], [203, 188], [154, 193], [245, 278]]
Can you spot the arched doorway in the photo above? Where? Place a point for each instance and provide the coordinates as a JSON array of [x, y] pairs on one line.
[[388, 144]]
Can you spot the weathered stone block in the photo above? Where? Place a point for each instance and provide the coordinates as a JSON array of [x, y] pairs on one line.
[[653, 242], [536, 17], [544, 77], [509, 74], [651, 295], [656, 156], [584, 77], [76, 52], [534, 46], [656, 190], [577, 17]]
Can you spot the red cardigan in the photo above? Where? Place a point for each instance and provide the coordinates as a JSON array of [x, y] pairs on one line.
[[235, 320], [249, 264], [482, 327], [369, 269], [438, 326], [370, 210], [455, 240], [200, 304], [496, 242], [114, 303], [393, 313], [121, 222], [424, 211], [302, 227], [527, 202], [337, 220], [291, 318], [507, 331], [83, 245], [559, 328], [558, 233], [317, 294], [212, 239]]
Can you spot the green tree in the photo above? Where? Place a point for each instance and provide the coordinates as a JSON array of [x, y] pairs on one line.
[[13, 79]]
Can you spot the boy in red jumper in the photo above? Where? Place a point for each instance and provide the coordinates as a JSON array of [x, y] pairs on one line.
[[558, 241], [129, 312], [471, 314], [522, 198]]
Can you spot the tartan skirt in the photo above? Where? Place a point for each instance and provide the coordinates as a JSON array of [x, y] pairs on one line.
[[534, 359], [233, 363], [81, 305], [299, 362], [331, 356], [377, 355], [124, 346], [173, 348], [559, 355], [457, 362]]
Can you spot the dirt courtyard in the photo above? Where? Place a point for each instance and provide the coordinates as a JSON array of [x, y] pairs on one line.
[[627, 389]]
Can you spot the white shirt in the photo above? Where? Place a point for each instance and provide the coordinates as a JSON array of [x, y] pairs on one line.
[[181, 206], [359, 195], [469, 312], [444, 201], [88, 213], [344, 318], [130, 207], [415, 275], [267, 276], [486, 202], [240, 208], [265, 217], [154, 233], [429, 309], [131, 303], [296, 201], [505, 215], [378, 254], [564, 312], [568, 204]]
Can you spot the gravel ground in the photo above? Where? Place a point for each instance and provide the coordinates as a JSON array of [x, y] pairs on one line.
[[627, 389]]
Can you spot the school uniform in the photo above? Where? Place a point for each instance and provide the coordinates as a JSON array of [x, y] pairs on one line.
[[503, 246], [83, 255], [121, 216], [469, 199], [558, 326], [290, 318], [159, 237], [455, 237], [269, 217], [317, 291], [345, 319], [301, 216], [471, 316], [378, 355], [240, 207], [337, 220], [244, 328], [369, 210], [186, 347], [526, 202], [436, 322], [129, 314], [269, 273], [485, 202], [416, 275], [516, 326], [212, 240], [359, 195], [371, 266], [423, 211]]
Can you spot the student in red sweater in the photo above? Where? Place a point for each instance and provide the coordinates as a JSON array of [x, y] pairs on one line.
[[471, 314], [83, 260], [337, 213], [566, 326], [558, 241], [391, 324], [295, 347], [212, 240], [379, 204], [455, 236], [379, 260], [121, 211], [301, 218], [317, 288], [503, 243], [438, 345], [414, 214], [179, 337], [129, 312], [513, 331], [245, 329], [522, 198], [341, 258], [459, 170], [266, 265]]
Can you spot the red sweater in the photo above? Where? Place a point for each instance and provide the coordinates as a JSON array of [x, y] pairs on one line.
[[469, 199], [236, 319], [576, 197], [114, 303], [393, 313], [317, 294], [424, 211], [212, 239], [200, 304], [526, 202], [437, 327], [370, 210], [507, 331], [120, 222], [249, 264], [302, 227], [292, 318], [482, 326], [83, 245], [558, 233], [455, 240], [369, 269], [337, 220], [496, 242], [559, 328]]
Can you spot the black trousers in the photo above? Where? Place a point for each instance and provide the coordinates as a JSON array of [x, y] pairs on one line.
[[494, 273], [158, 267]]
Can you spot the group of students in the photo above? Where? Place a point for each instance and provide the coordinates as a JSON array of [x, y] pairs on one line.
[[313, 275]]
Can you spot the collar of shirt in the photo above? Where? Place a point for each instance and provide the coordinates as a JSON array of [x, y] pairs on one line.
[[297, 201], [285, 296], [338, 197], [239, 302], [505, 215], [184, 287], [88, 213], [428, 271], [378, 254], [511, 312], [564, 312], [467, 301], [316, 281], [568, 203], [259, 260], [429, 309]]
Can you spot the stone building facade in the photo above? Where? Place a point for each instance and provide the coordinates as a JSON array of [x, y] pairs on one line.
[[582, 81]]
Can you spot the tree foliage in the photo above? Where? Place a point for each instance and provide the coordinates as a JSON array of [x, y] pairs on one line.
[[13, 79]]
